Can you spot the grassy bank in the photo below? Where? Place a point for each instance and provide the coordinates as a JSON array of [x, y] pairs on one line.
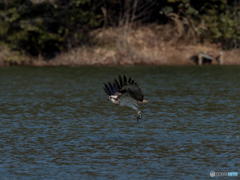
[[148, 45]]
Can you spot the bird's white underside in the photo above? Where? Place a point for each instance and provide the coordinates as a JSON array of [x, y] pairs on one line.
[[124, 100]]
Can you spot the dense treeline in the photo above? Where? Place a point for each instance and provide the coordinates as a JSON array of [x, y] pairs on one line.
[[47, 27]]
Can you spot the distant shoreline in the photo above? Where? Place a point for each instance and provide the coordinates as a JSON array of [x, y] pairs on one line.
[[119, 46]]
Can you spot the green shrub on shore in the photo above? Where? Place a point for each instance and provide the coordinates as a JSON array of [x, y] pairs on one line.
[[217, 21], [44, 28]]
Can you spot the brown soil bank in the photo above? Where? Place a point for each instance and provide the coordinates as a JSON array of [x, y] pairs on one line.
[[150, 45]]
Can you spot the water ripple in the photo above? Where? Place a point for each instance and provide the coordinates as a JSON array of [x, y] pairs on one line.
[[59, 124]]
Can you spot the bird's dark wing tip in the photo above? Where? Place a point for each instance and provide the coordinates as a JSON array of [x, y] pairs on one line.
[[121, 85]]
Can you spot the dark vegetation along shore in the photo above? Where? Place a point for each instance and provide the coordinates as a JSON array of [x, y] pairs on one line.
[[118, 32]]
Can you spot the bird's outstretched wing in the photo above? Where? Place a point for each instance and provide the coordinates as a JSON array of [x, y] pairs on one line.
[[124, 85]]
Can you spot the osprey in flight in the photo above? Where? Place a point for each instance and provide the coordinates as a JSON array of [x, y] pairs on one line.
[[125, 92]]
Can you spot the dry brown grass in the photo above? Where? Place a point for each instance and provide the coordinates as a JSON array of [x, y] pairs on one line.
[[9, 57], [151, 45], [232, 57]]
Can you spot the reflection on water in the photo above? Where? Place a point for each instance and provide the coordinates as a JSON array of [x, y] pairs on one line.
[[57, 123]]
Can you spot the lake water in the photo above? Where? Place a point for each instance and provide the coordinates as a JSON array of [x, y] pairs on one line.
[[56, 123]]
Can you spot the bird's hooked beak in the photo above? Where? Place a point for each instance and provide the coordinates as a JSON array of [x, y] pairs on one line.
[[143, 101]]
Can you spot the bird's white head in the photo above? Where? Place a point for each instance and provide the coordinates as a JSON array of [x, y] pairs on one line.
[[114, 99]]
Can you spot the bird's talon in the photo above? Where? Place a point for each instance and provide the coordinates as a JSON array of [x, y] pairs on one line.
[[139, 116]]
